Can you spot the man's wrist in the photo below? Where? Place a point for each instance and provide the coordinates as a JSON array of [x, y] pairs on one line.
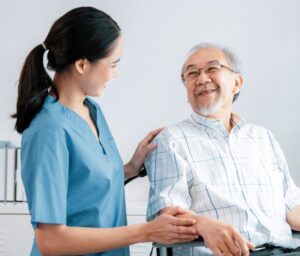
[[200, 221]]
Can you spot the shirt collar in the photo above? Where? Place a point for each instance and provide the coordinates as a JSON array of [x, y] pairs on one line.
[[216, 126], [54, 105]]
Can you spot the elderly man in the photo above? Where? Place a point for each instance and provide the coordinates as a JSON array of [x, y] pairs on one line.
[[231, 175]]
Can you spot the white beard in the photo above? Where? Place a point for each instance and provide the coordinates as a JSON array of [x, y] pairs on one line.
[[212, 109]]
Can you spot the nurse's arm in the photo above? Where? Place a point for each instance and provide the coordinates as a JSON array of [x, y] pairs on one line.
[[145, 146], [293, 218], [57, 240]]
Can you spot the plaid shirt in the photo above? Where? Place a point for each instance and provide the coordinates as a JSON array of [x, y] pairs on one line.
[[240, 178]]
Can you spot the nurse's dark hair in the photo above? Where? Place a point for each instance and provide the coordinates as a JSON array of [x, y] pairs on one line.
[[82, 33]]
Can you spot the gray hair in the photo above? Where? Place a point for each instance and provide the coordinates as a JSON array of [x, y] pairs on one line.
[[231, 58]]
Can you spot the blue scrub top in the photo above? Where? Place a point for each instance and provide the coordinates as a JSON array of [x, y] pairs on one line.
[[70, 177]]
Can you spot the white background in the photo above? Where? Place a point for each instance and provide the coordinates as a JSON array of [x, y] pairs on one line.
[[158, 33]]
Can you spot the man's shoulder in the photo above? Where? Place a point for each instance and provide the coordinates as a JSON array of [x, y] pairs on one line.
[[255, 130], [175, 130]]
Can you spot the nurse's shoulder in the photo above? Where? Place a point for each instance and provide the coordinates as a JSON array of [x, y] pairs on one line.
[[50, 120]]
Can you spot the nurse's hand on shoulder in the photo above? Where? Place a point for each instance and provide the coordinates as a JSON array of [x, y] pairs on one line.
[[168, 229], [133, 167]]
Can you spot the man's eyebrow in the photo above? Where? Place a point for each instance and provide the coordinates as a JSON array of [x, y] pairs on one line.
[[208, 63], [213, 62], [190, 66]]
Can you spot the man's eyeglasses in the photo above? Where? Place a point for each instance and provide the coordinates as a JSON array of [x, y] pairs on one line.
[[193, 73]]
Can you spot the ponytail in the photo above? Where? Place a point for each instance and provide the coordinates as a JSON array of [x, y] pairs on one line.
[[33, 87], [82, 33]]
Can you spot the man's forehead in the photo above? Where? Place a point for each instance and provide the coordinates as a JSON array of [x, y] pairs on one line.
[[206, 56]]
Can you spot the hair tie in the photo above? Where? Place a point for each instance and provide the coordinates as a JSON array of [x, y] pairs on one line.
[[44, 46]]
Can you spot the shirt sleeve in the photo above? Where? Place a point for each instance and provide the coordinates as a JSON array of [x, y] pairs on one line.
[[291, 191], [45, 165], [168, 172]]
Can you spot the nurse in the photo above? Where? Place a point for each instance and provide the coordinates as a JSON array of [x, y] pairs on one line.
[[71, 169]]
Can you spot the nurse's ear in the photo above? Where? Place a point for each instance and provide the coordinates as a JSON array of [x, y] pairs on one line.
[[81, 65]]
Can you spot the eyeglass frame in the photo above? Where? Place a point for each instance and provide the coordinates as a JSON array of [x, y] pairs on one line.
[[205, 67]]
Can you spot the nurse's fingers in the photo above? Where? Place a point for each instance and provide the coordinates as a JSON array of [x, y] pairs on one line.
[[183, 230], [162, 230], [150, 136], [182, 238], [174, 210], [183, 221]]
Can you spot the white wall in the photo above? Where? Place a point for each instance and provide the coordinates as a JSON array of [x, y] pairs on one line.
[[148, 92]]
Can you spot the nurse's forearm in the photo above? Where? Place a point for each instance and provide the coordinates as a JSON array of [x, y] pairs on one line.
[[129, 170], [293, 218], [63, 240]]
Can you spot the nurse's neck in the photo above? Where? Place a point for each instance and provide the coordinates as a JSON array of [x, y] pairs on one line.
[[69, 94]]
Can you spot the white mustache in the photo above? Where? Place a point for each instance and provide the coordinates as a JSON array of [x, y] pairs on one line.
[[204, 88]]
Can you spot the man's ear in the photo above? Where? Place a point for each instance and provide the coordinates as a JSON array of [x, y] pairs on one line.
[[239, 81], [81, 65]]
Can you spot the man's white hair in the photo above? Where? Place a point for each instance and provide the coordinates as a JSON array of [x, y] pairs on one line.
[[231, 58]]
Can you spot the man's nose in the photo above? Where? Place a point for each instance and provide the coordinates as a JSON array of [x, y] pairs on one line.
[[203, 78]]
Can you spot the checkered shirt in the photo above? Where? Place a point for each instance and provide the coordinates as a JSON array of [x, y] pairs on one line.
[[240, 178]]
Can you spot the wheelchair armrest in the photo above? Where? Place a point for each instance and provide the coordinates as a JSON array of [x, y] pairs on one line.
[[296, 234], [196, 243]]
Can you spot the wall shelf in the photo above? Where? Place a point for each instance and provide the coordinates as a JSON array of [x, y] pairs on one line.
[[13, 208]]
